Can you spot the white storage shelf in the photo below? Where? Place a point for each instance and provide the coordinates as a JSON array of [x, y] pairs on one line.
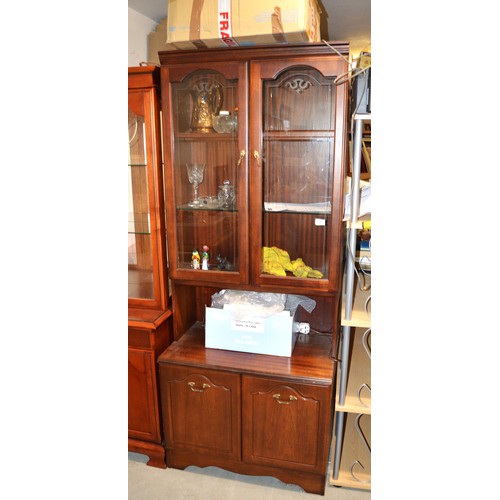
[[361, 308], [355, 463], [358, 393]]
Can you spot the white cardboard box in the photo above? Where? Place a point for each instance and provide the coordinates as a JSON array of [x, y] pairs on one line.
[[274, 335]]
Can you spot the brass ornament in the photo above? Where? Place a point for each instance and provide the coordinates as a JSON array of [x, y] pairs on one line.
[[207, 102]]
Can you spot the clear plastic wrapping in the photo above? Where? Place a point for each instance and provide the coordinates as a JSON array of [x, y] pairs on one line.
[[294, 301], [248, 304]]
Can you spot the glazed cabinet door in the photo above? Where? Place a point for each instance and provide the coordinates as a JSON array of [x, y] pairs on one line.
[[201, 411], [285, 424], [146, 246], [206, 171], [297, 126]]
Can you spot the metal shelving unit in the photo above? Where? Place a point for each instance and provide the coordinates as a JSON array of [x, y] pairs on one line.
[[351, 448]]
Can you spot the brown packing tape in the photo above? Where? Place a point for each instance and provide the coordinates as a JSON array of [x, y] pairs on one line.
[[195, 23], [277, 26], [200, 44]]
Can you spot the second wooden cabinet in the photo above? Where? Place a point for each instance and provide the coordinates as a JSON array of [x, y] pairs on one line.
[[149, 317]]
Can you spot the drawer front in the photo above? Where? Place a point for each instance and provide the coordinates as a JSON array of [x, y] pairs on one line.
[[139, 338], [286, 424], [201, 410]]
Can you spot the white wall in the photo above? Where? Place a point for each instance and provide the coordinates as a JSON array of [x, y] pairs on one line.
[[139, 27]]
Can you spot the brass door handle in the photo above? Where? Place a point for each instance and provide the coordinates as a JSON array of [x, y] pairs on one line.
[[242, 155], [290, 399], [203, 387], [257, 157]]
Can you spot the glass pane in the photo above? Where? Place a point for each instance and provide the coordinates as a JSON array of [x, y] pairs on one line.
[[299, 172], [140, 262], [205, 168], [301, 99], [298, 168]]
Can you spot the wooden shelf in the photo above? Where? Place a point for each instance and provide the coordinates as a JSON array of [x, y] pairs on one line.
[[359, 374], [354, 449], [360, 317], [310, 361], [202, 137], [345, 479], [359, 223]]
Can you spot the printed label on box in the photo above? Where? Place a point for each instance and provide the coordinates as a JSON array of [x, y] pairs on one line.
[[247, 326], [246, 340], [225, 28]]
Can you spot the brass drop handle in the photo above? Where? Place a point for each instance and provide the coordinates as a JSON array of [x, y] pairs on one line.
[[242, 155], [192, 384], [257, 157], [291, 398]]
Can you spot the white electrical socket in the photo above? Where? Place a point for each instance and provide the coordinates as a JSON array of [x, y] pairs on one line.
[[304, 328]]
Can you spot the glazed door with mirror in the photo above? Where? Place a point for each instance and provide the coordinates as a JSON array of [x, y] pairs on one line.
[[296, 163], [206, 171], [145, 250]]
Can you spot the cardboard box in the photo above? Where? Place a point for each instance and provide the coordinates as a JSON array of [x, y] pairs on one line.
[[156, 41], [274, 335], [227, 23]]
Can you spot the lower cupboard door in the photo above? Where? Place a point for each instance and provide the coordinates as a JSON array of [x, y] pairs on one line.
[[202, 411], [143, 421], [285, 424]]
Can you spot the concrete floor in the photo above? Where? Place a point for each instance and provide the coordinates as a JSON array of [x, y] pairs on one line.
[[212, 483]]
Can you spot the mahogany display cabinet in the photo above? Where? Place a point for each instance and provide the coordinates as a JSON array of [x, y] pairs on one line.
[[254, 152]]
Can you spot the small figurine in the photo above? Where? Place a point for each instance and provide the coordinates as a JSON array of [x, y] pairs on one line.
[[205, 257], [195, 259], [221, 262]]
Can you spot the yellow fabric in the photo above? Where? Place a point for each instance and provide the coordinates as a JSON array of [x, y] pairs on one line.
[[276, 261]]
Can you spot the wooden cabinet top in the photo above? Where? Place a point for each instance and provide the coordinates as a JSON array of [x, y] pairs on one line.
[[140, 77], [147, 318], [254, 52], [310, 361]]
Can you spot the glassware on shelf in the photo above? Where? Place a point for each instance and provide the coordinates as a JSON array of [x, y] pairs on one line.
[[224, 123], [210, 202], [195, 176], [226, 194], [207, 101]]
